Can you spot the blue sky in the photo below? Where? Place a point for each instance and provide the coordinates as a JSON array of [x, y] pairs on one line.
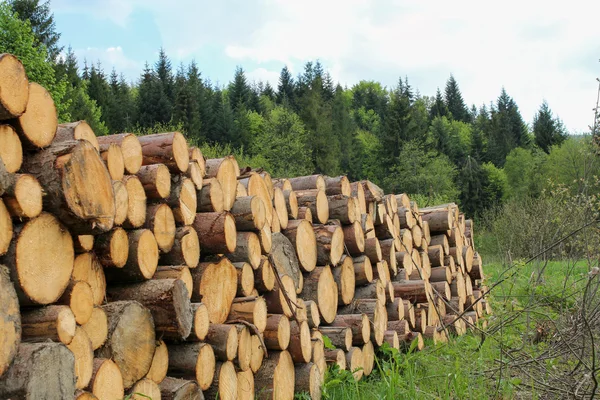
[[535, 49]]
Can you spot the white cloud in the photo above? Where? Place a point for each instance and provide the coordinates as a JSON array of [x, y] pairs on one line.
[[264, 75], [109, 57]]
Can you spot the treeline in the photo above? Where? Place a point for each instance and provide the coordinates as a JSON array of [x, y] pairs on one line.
[[435, 147]]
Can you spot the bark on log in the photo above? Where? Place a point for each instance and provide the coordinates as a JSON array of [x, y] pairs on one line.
[[210, 197], [193, 361], [249, 213], [337, 185], [305, 213], [264, 277], [79, 130], [300, 347], [308, 182], [169, 148], [320, 287], [277, 332], [340, 336], [224, 340], [358, 323], [441, 274], [276, 300], [216, 232], [112, 248], [308, 378], [37, 125], [78, 296], [354, 239], [185, 250], [23, 196], [342, 208], [252, 310], [247, 249], [355, 363], [336, 356], [56, 323], [388, 252], [317, 201], [245, 279], [226, 172], [330, 244], [130, 147], [374, 290], [363, 270], [476, 272], [291, 202], [439, 221], [416, 291], [179, 389], [142, 260], [215, 284], [395, 309], [156, 181], [373, 250], [131, 339], [441, 240]]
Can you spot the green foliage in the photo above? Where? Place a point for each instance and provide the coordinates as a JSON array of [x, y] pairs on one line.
[[454, 101], [574, 164], [496, 187], [547, 129], [81, 107], [523, 170], [42, 23]]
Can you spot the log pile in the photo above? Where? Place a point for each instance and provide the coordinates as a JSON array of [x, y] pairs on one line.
[[132, 265]]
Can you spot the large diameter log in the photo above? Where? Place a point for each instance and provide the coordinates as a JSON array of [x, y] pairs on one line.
[[344, 278], [156, 181], [167, 300], [14, 85], [97, 327], [81, 347], [245, 279], [40, 269], [142, 260], [106, 381], [179, 389], [252, 310], [436, 255], [316, 201], [275, 379], [276, 299], [40, 371], [23, 198], [247, 249], [309, 380], [112, 248], [11, 151], [249, 213], [161, 221], [225, 171], [10, 321], [87, 268], [37, 125], [210, 198], [330, 244], [77, 185], [225, 382], [216, 285], [300, 347], [185, 250], [113, 158], [131, 339], [130, 147], [354, 239], [170, 149], [216, 231], [224, 340], [320, 287], [302, 236], [183, 199], [192, 360]]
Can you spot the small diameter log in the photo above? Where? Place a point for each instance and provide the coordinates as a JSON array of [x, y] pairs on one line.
[[97, 327], [358, 323], [312, 314], [131, 339], [388, 252], [258, 353], [40, 371], [83, 243], [476, 271], [79, 130], [185, 250], [79, 297], [87, 268], [192, 361], [210, 198], [441, 240], [247, 249], [300, 347], [37, 125], [301, 314], [106, 381], [368, 352], [264, 277], [224, 340], [113, 158], [142, 260], [77, 185], [439, 221], [56, 323], [320, 287], [413, 290], [308, 378], [276, 300], [23, 197], [436, 255], [358, 191], [342, 208], [431, 332], [81, 347], [216, 231], [337, 185], [337, 356], [302, 236], [344, 278], [245, 385], [40, 269], [121, 202], [112, 248], [291, 202], [179, 389], [195, 174], [196, 155], [161, 221], [330, 244], [305, 213], [183, 200], [375, 311], [245, 279], [404, 261], [201, 323], [317, 201], [180, 272], [395, 309], [252, 310], [275, 380], [441, 274], [226, 172], [277, 332], [10, 321], [169, 148], [215, 284], [144, 389], [275, 225], [318, 347], [225, 382], [280, 207], [340, 336], [468, 256], [401, 327], [374, 290], [363, 270], [373, 250], [354, 239], [136, 202], [11, 151], [308, 182], [156, 181], [355, 362], [15, 87], [391, 338], [249, 213], [407, 340], [406, 241], [130, 148]]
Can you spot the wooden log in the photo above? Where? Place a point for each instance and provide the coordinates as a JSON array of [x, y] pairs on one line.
[[112, 248], [388, 252], [318, 347], [56, 323], [131, 339], [83, 243], [10, 320], [337, 357], [375, 311], [320, 287], [401, 327], [436, 255], [308, 182], [441, 274], [196, 155], [406, 341], [169, 148], [77, 185], [257, 353], [317, 201], [249, 213], [468, 256], [305, 213], [308, 379], [78, 296], [344, 278], [374, 290], [413, 290], [266, 239], [225, 382], [363, 271], [136, 202], [404, 261], [342, 208], [312, 314], [183, 200], [40, 371], [241, 190], [476, 271], [81, 347], [40, 269], [200, 324], [354, 239], [302, 236], [276, 300], [368, 352], [300, 347], [358, 192], [113, 158], [15, 87], [291, 202], [226, 172], [195, 174], [245, 385], [264, 277], [97, 328], [358, 323], [406, 241], [23, 196], [224, 341], [192, 361], [106, 381], [340, 336], [215, 285], [247, 249], [210, 198], [280, 207], [439, 221], [130, 148], [11, 152], [420, 320], [142, 260], [185, 249], [161, 221], [277, 332], [457, 288], [257, 186], [276, 377], [301, 313], [216, 231], [391, 338], [330, 244], [441, 240], [37, 125], [179, 389], [395, 309], [337, 185], [79, 130], [144, 389], [121, 202], [250, 309], [373, 250], [156, 181], [355, 362], [245, 279]]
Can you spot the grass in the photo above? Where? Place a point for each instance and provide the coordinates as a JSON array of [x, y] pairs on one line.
[[466, 367]]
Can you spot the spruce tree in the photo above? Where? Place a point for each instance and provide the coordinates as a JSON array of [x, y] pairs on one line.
[[472, 180], [396, 128], [42, 23], [547, 130], [239, 91], [454, 101], [507, 129], [438, 108], [268, 91], [164, 72], [285, 88], [98, 88], [67, 67]]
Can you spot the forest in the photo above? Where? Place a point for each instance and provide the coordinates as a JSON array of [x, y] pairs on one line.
[[434, 147]]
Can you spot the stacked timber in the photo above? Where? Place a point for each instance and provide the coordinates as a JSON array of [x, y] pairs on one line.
[[133, 265]]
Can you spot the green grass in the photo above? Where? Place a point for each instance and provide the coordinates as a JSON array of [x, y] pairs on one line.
[[466, 368]]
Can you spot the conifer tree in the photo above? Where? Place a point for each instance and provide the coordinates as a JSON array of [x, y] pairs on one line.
[[42, 23], [507, 129], [239, 91], [438, 108], [285, 88], [454, 101], [472, 181], [547, 129], [396, 128]]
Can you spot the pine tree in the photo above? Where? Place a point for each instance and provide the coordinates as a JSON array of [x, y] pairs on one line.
[[98, 88], [164, 72], [285, 88], [438, 108], [507, 129], [329, 89], [268, 91], [151, 107], [239, 91], [548, 130], [481, 127], [396, 128], [67, 67], [454, 101], [42, 23]]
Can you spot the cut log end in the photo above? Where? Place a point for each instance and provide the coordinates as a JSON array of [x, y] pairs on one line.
[[37, 125], [15, 87], [11, 150]]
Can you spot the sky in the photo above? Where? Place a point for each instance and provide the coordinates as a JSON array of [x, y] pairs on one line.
[[537, 50]]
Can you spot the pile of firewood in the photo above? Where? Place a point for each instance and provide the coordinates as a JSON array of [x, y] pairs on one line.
[[132, 265]]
